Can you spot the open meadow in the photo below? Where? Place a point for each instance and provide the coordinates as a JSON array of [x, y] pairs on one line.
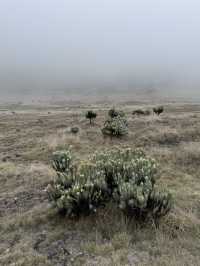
[[33, 233]]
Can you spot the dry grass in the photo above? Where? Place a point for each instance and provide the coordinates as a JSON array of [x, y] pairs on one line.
[[32, 233]]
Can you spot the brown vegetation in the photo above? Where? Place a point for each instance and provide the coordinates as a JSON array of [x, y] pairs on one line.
[[32, 233]]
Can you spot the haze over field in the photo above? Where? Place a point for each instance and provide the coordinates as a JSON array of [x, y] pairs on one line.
[[99, 132], [49, 48]]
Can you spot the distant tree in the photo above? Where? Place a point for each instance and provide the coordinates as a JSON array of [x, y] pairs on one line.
[[90, 115], [158, 110]]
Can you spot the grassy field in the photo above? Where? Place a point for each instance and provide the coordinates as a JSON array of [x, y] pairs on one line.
[[32, 233]]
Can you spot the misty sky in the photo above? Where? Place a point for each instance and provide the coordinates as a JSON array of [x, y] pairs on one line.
[[48, 44]]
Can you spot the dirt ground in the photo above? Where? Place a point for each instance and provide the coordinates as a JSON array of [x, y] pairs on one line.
[[32, 232]]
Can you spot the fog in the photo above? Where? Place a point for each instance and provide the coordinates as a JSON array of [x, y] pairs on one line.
[[51, 47]]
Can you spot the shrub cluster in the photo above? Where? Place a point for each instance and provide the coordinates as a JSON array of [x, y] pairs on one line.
[[116, 124], [78, 192], [62, 161], [158, 110], [124, 176], [76, 189]]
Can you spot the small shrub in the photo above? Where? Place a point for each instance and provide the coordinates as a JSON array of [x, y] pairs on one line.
[[114, 113], [159, 203], [116, 124], [74, 130], [90, 115], [158, 110], [141, 112], [61, 161], [124, 176]]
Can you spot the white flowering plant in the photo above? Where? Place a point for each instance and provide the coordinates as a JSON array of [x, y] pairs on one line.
[[62, 160], [116, 124], [79, 191], [130, 177], [123, 176]]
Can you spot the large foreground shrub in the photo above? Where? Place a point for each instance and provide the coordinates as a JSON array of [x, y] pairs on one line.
[[126, 177]]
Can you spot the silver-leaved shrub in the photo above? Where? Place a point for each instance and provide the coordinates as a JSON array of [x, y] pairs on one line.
[[62, 160], [116, 124], [124, 176]]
